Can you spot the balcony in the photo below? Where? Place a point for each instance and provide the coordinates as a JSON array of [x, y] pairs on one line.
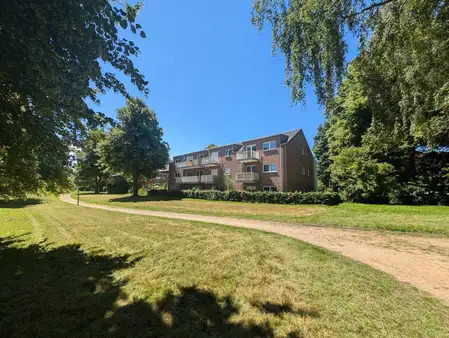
[[247, 177], [209, 178], [248, 156], [188, 179], [209, 161], [189, 164]]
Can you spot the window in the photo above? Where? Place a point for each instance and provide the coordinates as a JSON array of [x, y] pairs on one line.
[[189, 158], [177, 175], [270, 188], [251, 188], [302, 151], [251, 169], [251, 147], [270, 145], [308, 172], [177, 160], [199, 173], [164, 176], [228, 171], [270, 168], [215, 155], [303, 170], [228, 152]]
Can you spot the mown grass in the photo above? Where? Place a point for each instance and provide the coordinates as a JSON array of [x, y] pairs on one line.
[[418, 219], [70, 270]]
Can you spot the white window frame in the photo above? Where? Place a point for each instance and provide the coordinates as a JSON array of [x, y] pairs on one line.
[[177, 175], [303, 171], [215, 155], [270, 188], [251, 147], [177, 160], [199, 173], [251, 166], [228, 152], [189, 158], [303, 152], [271, 169], [270, 143], [227, 173]]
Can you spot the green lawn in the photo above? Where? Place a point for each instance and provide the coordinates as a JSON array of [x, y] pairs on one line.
[[424, 219], [68, 270]]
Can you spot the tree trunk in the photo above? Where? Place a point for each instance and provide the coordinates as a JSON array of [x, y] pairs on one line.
[[135, 185], [97, 188]]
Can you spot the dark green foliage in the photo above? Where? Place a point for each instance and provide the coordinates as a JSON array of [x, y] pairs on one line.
[[51, 56], [118, 184], [89, 170], [135, 146], [328, 198]]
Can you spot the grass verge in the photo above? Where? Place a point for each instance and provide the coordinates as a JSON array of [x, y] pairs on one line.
[[417, 219]]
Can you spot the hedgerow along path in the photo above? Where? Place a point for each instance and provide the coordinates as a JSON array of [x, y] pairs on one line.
[[422, 261]]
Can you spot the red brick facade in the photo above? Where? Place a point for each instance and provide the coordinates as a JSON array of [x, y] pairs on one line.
[[279, 168]]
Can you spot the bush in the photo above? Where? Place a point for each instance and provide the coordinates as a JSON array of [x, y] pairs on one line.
[[328, 198], [163, 192], [118, 185]]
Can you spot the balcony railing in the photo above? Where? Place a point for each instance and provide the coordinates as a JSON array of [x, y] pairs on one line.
[[209, 178], [247, 177], [209, 161], [190, 163], [248, 156], [188, 179]]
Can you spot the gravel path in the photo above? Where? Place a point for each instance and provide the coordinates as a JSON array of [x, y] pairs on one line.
[[419, 260]]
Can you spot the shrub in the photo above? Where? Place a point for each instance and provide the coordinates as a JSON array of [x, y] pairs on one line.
[[118, 185], [328, 198], [167, 193]]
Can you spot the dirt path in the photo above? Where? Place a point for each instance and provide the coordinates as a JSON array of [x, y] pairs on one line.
[[418, 260]]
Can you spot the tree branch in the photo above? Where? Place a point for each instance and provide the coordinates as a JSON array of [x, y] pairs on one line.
[[366, 9]]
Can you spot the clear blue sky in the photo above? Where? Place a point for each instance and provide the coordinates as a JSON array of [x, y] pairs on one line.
[[212, 76]]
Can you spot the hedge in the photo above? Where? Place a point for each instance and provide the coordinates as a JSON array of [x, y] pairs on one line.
[[328, 198]]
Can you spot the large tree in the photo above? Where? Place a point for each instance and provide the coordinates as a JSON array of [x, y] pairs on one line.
[[89, 170], [51, 56], [135, 146], [406, 40]]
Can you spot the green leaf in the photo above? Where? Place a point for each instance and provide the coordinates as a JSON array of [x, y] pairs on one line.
[[133, 29], [142, 34], [124, 24]]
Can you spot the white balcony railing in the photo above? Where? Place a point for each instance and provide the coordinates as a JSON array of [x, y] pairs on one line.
[[209, 178], [248, 155], [188, 179], [209, 160], [247, 177], [190, 163]]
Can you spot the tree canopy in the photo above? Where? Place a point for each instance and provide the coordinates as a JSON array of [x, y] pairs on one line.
[[89, 171], [51, 60], [135, 146], [212, 145]]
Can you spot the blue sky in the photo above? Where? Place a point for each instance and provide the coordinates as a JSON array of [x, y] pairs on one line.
[[212, 76]]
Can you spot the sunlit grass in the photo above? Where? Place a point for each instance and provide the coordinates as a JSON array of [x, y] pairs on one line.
[[420, 219]]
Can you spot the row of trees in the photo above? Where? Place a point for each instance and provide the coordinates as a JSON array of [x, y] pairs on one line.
[[133, 147], [386, 133]]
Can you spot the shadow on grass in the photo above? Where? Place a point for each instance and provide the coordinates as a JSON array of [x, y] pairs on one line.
[[20, 203], [148, 198], [280, 309], [64, 291]]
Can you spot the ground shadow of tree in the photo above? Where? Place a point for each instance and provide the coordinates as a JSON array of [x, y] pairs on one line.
[[48, 291], [148, 198], [19, 203]]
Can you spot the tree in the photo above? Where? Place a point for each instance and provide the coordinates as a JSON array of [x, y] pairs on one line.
[[135, 146], [360, 178], [321, 151], [89, 170], [51, 60], [408, 38], [212, 145]]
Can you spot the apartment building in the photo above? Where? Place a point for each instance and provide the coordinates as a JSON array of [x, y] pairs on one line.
[[280, 162]]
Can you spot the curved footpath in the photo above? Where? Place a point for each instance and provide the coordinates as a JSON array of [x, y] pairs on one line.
[[422, 261]]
